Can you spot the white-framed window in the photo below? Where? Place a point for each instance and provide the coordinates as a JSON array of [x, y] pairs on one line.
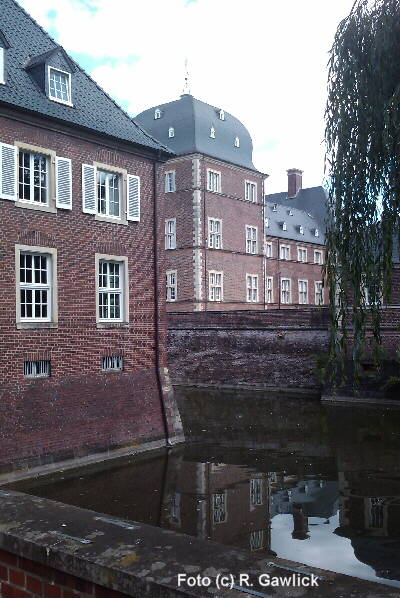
[[237, 142], [284, 226], [251, 239], [215, 286], [112, 299], [301, 230], [171, 132], [318, 256], [215, 233], [221, 115], [301, 254], [268, 249], [212, 133], [157, 114], [269, 289], [319, 292], [275, 207], [213, 181], [250, 191], [257, 539], [112, 363], [171, 285], [256, 491], [170, 182], [219, 507], [170, 233], [316, 233], [267, 223], [108, 194], [286, 291], [33, 178], [285, 252], [59, 86], [251, 288], [303, 292]]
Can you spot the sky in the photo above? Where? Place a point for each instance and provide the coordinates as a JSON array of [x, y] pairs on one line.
[[264, 61]]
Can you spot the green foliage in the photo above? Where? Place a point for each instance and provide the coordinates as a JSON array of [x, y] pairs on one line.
[[392, 387], [363, 168], [320, 368]]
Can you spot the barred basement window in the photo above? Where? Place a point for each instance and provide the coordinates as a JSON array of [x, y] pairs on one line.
[[219, 507], [112, 363], [257, 540], [256, 491], [37, 369]]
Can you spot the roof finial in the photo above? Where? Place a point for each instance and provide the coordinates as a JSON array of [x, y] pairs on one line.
[[186, 87]]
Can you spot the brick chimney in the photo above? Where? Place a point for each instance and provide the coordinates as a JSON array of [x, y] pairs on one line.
[[294, 176]]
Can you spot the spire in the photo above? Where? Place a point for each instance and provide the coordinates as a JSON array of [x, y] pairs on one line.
[[186, 87]]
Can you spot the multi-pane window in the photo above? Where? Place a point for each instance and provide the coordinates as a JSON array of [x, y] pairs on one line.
[[170, 185], [35, 287], [303, 291], [301, 254], [171, 285], [110, 290], [219, 507], [213, 181], [108, 193], [319, 293], [251, 239], [59, 86], [252, 288], [214, 233], [170, 233], [33, 178], [215, 290], [317, 256], [286, 291], [256, 486], [269, 289], [250, 191], [285, 252], [268, 249], [257, 540]]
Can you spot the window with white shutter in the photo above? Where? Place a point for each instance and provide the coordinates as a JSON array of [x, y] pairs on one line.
[[89, 189], [133, 198], [63, 183], [8, 172]]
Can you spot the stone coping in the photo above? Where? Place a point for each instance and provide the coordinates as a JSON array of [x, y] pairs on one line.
[[144, 561]]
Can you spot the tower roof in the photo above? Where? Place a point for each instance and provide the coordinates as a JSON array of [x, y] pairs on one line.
[[198, 127]]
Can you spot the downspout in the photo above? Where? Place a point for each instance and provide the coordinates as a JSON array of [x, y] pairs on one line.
[[205, 240], [157, 304], [279, 274]]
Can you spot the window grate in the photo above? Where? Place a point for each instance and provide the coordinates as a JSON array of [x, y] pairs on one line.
[[112, 363], [37, 369]]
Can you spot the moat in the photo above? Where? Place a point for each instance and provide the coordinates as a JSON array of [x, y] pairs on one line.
[[317, 485]]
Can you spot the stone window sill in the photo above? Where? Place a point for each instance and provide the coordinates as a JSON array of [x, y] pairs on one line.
[[38, 207], [112, 324], [36, 325], [100, 218]]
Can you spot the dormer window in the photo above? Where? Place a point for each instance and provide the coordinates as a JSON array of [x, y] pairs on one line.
[[60, 86], [275, 207], [212, 133], [290, 213], [237, 142], [267, 223], [221, 115], [171, 132], [284, 226], [301, 230], [316, 232], [157, 114]]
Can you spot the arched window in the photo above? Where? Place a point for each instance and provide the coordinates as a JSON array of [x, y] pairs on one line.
[[221, 115], [212, 133], [171, 132], [237, 142], [157, 113]]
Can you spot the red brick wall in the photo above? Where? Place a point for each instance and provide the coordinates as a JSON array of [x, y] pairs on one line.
[[79, 408]]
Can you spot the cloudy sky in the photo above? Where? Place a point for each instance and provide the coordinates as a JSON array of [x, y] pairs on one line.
[[262, 60]]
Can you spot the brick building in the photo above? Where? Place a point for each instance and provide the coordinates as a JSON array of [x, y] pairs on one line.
[[225, 247], [82, 336]]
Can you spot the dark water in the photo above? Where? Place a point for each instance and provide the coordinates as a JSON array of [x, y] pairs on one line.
[[316, 485]]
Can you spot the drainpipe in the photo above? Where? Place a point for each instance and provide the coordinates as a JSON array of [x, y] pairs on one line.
[[279, 274], [157, 303]]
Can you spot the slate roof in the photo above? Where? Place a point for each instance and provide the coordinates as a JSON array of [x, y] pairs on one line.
[[192, 120], [92, 107], [309, 210]]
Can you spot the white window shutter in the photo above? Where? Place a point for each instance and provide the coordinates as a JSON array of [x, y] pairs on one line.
[[63, 183], [8, 171], [133, 198], [89, 189]]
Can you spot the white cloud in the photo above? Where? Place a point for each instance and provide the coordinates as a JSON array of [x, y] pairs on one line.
[[262, 60]]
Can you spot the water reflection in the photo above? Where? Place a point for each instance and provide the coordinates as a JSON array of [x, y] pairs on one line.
[[322, 489]]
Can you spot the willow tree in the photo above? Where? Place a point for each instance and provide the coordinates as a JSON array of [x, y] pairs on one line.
[[363, 168]]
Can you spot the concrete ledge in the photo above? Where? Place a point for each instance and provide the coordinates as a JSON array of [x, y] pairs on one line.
[[142, 561], [303, 393], [359, 401]]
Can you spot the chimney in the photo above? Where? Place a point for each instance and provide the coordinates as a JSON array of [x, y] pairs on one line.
[[294, 176]]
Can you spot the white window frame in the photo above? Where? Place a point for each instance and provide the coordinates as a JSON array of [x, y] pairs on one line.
[[269, 289], [268, 249], [212, 177], [237, 142], [171, 132], [31, 199], [318, 292], [251, 239], [214, 236], [52, 98], [170, 233], [108, 174], [157, 114], [212, 133], [170, 181], [301, 292], [51, 320], [286, 290], [284, 226], [123, 290], [171, 287], [321, 258], [252, 288], [213, 286], [302, 251], [250, 191], [282, 251], [221, 115]]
